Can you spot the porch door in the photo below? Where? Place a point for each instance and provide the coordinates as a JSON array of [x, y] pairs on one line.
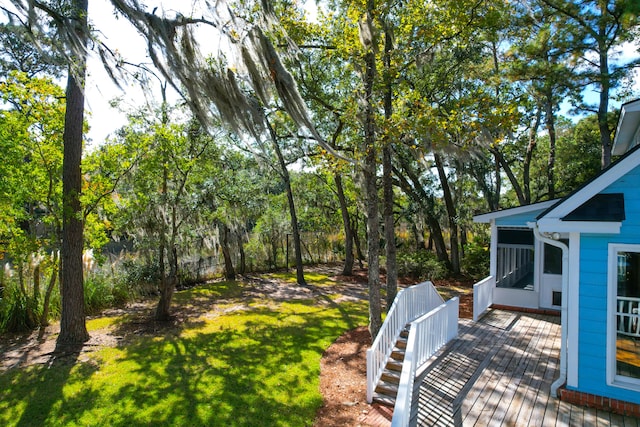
[[551, 283]]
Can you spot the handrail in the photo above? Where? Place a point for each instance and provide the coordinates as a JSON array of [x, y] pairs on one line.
[[409, 304], [483, 296], [427, 335]]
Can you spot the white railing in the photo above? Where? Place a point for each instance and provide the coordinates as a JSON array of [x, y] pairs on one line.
[[427, 335], [513, 263], [628, 316], [483, 296], [409, 304]]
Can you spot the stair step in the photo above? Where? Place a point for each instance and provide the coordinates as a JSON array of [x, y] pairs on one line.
[[392, 377], [394, 365], [387, 389], [384, 399], [397, 354]]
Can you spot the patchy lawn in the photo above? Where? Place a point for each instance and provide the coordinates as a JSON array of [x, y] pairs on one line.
[[237, 353]]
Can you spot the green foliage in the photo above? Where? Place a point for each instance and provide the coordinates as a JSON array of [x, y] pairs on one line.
[[19, 312], [421, 265], [104, 291], [142, 278], [475, 262]]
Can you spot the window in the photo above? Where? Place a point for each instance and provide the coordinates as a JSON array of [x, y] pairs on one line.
[[624, 315], [515, 258], [553, 258]]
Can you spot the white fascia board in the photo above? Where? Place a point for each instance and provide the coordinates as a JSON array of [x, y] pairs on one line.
[[627, 127], [487, 217], [616, 171], [555, 225]]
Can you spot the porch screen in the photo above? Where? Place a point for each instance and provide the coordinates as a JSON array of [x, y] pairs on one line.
[[628, 312], [515, 258]]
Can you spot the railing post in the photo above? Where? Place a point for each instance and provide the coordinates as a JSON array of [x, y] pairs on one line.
[[370, 372]]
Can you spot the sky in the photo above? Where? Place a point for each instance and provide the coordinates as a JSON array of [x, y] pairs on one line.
[[119, 33], [100, 91]]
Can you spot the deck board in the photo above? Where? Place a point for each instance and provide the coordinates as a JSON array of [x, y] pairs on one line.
[[498, 372]]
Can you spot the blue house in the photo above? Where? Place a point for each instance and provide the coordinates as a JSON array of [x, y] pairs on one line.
[[580, 255]]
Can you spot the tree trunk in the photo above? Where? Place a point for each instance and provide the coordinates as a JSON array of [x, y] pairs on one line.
[[512, 178], [418, 236], [551, 129], [44, 318], [603, 125], [496, 202], [229, 271], [347, 270], [389, 227], [162, 309], [451, 214], [427, 203], [73, 330], [387, 180], [369, 171], [243, 257], [295, 229], [36, 284], [167, 285], [526, 165], [356, 241]]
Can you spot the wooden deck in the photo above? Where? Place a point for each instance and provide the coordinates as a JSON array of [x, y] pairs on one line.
[[498, 372]]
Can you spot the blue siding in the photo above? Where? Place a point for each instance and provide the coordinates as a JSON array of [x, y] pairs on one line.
[[594, 253]]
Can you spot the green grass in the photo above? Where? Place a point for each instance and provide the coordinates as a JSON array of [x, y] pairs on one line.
[[253, 367], [316, 279]]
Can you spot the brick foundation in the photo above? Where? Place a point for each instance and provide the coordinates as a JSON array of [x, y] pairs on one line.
[[599, 402]]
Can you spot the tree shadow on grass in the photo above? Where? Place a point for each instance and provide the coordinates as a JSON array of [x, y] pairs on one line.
[[40, 390], [260, 368], [255, 366]]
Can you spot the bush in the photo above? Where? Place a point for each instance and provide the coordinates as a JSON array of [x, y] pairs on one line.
[[476, 257], [421, 265], [141, 278], [102, 291], [18, 312]]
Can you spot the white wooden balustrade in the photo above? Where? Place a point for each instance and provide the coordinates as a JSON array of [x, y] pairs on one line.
[[427, 335], [410, 303], [483, 296]]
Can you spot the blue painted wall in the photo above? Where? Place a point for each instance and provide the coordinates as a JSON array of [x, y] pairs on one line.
[[594, 253]]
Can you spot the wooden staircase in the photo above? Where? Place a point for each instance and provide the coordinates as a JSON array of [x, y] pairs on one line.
[[387, 388]]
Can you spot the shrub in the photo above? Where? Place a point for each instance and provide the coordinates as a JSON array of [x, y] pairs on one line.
[[141, 278], [476, 257], [421, 265], [18, 312], [102, 291]]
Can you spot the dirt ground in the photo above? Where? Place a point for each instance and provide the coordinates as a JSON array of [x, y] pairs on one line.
[[342, 367]]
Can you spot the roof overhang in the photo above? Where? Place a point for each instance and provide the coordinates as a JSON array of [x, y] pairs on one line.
[[627, 129], [487, 217], [599, 184]]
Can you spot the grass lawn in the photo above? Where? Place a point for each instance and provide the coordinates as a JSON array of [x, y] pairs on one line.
[[247, 362]]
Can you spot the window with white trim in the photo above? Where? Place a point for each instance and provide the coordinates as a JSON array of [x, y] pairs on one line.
[[624, 315]]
